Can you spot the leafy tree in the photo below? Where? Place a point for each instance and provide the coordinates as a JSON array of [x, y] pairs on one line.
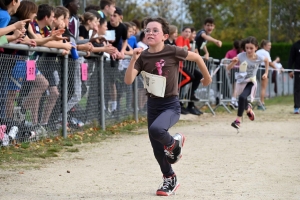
[[285, 20]]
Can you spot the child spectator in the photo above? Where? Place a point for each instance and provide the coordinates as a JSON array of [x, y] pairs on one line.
[[203, 36], [192, 40], [230, 55], [121, 35], [173, 35], [194, 75], [264, 51]]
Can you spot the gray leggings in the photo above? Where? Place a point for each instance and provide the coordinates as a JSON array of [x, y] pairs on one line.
[[163, 113]]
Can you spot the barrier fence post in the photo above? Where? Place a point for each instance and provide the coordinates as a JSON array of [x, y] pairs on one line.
[[65, 96], [101, 91], [135, 95]]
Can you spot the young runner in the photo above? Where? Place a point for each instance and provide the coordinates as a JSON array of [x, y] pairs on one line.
[[160, 64]]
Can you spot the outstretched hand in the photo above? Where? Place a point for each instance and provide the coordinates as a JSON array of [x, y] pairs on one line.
[[21, 24]]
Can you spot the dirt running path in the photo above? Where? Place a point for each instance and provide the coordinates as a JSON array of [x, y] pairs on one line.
[[261, 162]]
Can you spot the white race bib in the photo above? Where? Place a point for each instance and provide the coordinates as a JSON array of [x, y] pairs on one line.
[[154, 84], [203, 44]]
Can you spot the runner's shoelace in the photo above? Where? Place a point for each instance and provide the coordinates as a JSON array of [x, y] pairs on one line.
[[169, 154], [166, 183]]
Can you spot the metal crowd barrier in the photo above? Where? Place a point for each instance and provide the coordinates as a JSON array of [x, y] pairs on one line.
[[65, 95], [46, 94], [220, 92]]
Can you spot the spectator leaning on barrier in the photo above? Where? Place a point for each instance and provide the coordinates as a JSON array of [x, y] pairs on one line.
[[203, 36], [294, 63], [195, 75], [123, 65], [89, 22], [246, 83], [192, 39], [230, 55], [163, 110], [279, 70], [172, 36], [107, 8], [74, 74], [39, 29], [7, 8], [26, 10], [137, 29], [264, 51], [120, 36], [142, 97]]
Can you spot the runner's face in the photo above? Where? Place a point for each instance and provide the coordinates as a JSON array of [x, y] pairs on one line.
[[154, 34], [250, 49]]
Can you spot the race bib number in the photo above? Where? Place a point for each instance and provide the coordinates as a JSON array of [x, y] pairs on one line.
[[154, 84], [84, 71], [30, 70]]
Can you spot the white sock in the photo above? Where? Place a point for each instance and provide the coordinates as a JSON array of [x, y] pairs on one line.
[[114, 105], [233, 99]]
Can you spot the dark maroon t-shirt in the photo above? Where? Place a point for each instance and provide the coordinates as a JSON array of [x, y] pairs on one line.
[[170, 57]]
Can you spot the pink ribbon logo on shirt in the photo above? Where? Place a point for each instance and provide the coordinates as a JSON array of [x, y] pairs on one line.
[[159, 65]]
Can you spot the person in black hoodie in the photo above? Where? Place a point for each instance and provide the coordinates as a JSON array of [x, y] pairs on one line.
[[294, 63]]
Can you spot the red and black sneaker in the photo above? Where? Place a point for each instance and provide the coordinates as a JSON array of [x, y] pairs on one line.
[[174, 152], [169, 186], [236, 124], [250, 112]]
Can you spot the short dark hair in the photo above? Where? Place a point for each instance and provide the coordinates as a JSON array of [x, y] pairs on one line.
[[184, 28], [5, 3], [137, 23], [209, 20], [104, 3], [162, 21], [92, 7], [118, 11], [43, 11], [142, 36]]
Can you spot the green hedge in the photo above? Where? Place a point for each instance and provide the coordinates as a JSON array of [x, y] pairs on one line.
[[278, 49]]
